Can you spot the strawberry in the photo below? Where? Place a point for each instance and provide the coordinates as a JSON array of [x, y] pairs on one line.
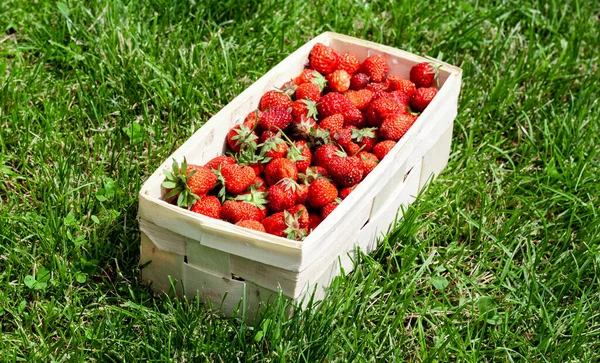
[[274, 99], [320, 192], [241, 137], [323, 59], [216, 162], [338, 81], [282, 195], [344, 136], [235, 178], [209, 206], [383, 148], [258, 184], [344, 192], [395, 126], [334, 102], [252, 118], [275, 118], [422, 97], [250, 224], [379, 90], [329, 207], [375, 67], [301, 193], [312, 174], [366, 138], [304, 109], [286, 224], [300, 211], [275, 224], [401, 98], [396, 83], [314, 220], [280, 169], [423, 75], [359, 81], [306, 76], [380, 109], [302, 127], [301, 154], [349, 63], [369, 161], [188, 183], [332, 123], [309, 91], [245, 207], [361, 99], [345, 170], [273, 145], [323, 155]]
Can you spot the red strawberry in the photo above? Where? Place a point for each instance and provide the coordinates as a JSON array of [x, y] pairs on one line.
[[345, 170], [379, 90], [395, 126], [300, 211], [338, 81], [328, 208], [202, 180], [365, 138], [275, 119], [383, 148], [314, 220], [285, 224], [209, 206], [375, 67], [344, 136], [395, 83], [235, 178], [252, 118], [359, 81], [273, 146], [344, 192], [216, 162], [312, 174], [306, 76], [422, 97], [323, 59], [402, 99], [369, 161], [301, 154], [361, 99], [349, 63], [380, 109], [244, 207], [250, 224], [258, 184], [303, 127], [301, 193], [332, 123], [321, 192], [241, 137], [309, 91], [274, 99], [304, 109], [282, 195], [423, 75], [280, 169], [323, 155], [334, 102]]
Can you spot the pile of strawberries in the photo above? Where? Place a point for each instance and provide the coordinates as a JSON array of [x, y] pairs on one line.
[[307, 146]]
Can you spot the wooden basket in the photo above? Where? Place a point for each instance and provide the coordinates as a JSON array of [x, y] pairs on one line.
[[224, 262]]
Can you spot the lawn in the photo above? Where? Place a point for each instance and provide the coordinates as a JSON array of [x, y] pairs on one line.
[[498, 261]]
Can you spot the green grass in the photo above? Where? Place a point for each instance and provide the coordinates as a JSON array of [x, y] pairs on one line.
[[498, 261]]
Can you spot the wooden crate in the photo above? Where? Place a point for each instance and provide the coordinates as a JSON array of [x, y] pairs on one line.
[[223, 262]]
